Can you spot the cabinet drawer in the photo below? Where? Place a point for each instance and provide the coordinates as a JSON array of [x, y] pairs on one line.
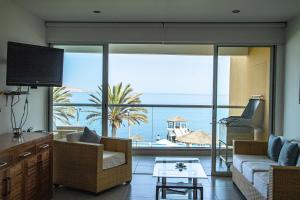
[[5, 160], [31, 166], [3, 183], [26, 153], [43, 146], [16, 170]]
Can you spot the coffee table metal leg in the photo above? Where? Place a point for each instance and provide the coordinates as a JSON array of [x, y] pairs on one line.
[[157, 193], [201, 193], [189, 191], [163, 189], [195, 188]]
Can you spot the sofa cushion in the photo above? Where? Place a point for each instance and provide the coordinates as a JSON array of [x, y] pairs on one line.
[[73, 137], [112, 159], [274, 147], [90, 136], [288, 154], [240, 159], [261, 183], [250, 168]]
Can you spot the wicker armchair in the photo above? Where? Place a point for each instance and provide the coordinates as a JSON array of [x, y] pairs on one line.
[[283, 180], [80, 165]]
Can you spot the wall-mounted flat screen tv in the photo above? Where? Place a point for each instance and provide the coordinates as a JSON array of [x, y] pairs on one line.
[[30, 65]]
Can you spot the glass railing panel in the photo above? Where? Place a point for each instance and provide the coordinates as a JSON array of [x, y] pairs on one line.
[[70, 117], [156, 127], [225, 113], [131, 122], [191, 126], [224, 143], [162, 127]]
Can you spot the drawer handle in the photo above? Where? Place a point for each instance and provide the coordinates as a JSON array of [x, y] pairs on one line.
[[45, 146], [5, 193], [26, 154], [8, 185], [2, 164]]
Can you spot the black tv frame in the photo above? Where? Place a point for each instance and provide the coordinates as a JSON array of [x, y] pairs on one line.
[[33, 85]]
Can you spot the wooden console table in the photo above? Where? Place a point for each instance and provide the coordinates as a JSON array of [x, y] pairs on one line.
[[26, 166]]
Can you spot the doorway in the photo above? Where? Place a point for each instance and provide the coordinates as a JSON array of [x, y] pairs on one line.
[[245, 114]]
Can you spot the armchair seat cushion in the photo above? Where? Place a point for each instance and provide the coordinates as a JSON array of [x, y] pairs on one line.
[[113, 159], [261, 183], [250, 168], [240, 159]]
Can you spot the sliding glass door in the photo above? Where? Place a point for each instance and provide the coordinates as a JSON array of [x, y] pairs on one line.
[[79, 102], [242, 99], [160, 96]]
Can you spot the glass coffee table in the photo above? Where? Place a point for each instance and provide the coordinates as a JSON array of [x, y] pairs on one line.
[[166, 168]]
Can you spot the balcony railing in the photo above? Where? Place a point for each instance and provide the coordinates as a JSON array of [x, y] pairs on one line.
[[195, 131]]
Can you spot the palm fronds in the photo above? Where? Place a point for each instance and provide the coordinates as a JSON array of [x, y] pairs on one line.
[[62, 113], [117, 114]]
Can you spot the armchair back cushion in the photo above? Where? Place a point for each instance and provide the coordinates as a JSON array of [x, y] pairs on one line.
[[73, 137], [90, 136], [288, 154], [274, 147]]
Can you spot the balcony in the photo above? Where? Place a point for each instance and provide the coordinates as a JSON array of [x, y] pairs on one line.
[[165, 126]]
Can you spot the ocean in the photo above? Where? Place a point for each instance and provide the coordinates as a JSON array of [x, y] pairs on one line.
[[197, 118]]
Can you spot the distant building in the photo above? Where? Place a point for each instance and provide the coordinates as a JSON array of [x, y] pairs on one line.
[[177, 126]]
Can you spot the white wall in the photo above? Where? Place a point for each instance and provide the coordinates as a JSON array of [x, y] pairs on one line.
[[291, 121], [18, 25]]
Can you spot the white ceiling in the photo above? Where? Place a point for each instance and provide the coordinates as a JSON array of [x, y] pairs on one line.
[[163, 10]]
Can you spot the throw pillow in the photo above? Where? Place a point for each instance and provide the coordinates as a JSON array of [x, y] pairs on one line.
[[89, 136], [274, 147], [288, 154]]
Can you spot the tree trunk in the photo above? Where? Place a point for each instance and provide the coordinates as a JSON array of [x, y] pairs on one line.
[[113, 131]]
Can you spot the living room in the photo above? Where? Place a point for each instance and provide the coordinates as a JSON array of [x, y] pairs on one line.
[[197, 102]]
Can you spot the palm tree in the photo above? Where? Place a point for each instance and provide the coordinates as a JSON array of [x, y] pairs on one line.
[[117, 114], [62, 113]]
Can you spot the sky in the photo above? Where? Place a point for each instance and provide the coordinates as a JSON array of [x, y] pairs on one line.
[[148, 73]]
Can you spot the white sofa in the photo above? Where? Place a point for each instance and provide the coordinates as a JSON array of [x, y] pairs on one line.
[[259, 177]]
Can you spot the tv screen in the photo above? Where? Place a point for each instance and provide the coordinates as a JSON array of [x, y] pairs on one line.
[[30, 65]]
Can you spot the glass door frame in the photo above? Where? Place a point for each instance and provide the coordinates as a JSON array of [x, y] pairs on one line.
[[272, 89], [104, 83], [214, 106]]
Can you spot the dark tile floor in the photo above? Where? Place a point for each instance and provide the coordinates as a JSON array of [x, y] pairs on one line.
[[142, 186]]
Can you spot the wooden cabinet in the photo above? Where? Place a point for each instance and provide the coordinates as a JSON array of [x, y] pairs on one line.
[[3, 184], [44, 160], [15, 182], [26, 172]]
